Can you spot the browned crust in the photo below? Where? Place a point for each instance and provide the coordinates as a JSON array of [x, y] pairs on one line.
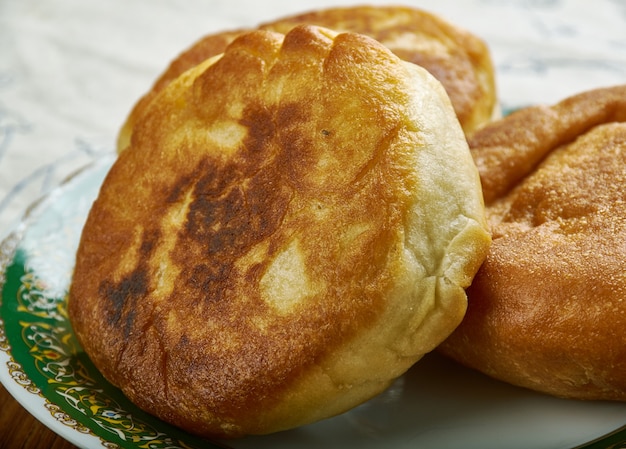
[[510, 149], [457, 58], [547, 307]]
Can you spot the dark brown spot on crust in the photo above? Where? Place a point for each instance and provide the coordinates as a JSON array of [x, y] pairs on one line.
[[230, 221], [122, 295], [261, 129]]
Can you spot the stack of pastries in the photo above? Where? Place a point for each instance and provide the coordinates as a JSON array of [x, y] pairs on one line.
[[299, 212], [457, 58]]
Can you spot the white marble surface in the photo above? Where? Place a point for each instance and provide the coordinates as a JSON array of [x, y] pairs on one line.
[[70, 70]]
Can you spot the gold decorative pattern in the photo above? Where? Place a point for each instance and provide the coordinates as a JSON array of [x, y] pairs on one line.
[[46, 336]]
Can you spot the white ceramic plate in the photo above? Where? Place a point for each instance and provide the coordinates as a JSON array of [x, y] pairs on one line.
[[437, 404]]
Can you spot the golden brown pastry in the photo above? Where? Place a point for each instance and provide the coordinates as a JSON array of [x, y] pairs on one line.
[[458, 59], [548, 307], [292, 228]]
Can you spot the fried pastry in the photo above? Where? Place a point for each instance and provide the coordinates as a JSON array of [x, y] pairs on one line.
[[457, 58], [548, 307], [291, 229]]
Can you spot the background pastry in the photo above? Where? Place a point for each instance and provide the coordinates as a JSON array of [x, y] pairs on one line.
[[457, 58], [281, 241], [548, 307]]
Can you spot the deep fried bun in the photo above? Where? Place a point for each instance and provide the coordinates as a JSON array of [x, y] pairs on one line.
[[547, 308], [458, 59], [291, 229]]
